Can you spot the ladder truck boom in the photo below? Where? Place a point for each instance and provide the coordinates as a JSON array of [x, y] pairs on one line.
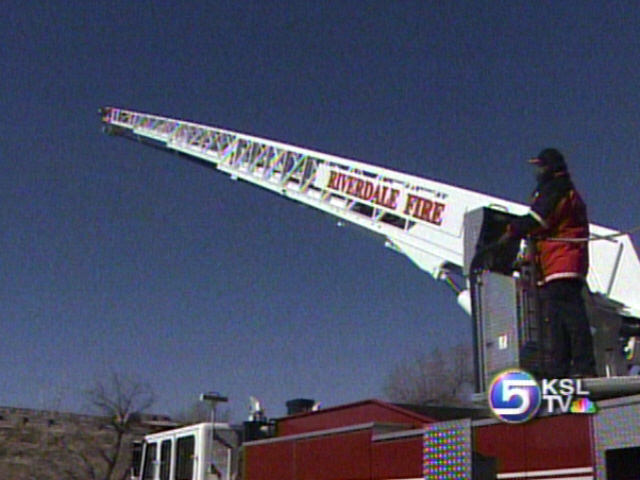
[[439, 227], [420, 218]]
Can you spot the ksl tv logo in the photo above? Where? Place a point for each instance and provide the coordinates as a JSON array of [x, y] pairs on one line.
[[516, 397]]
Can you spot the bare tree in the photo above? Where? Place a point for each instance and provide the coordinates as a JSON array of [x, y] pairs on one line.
[[120, 400], [440, 377], [52, 445]]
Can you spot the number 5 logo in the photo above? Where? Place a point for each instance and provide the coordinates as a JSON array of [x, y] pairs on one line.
[[514, 396]]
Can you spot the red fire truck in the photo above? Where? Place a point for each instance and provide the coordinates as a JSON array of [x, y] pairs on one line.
[[440, 228], [377, 440]]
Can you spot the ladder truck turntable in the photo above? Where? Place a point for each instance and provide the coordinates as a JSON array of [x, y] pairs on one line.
[[440, 228]]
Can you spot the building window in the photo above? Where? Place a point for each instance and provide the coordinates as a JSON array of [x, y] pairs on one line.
[[136, 458], [184, 459], [149, 461], [165, 459]]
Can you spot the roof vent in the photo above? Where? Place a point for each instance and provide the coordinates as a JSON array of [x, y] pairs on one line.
[[300, 405]]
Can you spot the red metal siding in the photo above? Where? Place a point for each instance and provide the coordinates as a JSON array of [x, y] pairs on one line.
[[339, 457], [543, 444], [506, 442], [559, 442], [397, 458], [344, 456], [270, 461]]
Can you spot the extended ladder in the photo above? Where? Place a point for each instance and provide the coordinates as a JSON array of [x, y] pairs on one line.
[[418, 217]]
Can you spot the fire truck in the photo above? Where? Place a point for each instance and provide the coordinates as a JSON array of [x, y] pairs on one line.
[[450, 233]]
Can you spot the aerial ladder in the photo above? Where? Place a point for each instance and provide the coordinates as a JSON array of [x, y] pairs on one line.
[[436, 225]]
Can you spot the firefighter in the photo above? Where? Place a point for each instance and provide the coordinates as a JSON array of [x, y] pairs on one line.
[[558, 225]]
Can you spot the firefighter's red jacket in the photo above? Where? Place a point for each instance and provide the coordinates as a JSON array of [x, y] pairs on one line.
[[559, 225]]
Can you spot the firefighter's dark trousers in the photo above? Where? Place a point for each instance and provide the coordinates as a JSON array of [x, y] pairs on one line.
[[571, 340]]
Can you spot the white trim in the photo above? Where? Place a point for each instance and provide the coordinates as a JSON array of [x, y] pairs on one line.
[[382, 437], [539, 219], [557, 276], [552, 474], [417, 478], [619, 402], [314, 434], [581, 477]]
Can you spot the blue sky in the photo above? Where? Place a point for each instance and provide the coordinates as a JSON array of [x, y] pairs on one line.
[[117, 256]]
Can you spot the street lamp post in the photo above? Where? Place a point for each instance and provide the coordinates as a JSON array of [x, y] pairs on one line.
[[214, 398]]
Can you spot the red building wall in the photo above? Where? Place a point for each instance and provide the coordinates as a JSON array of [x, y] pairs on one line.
[[340, 444], [352, 414], [269, 461], [349, 443], [397, 458], [345, 456]]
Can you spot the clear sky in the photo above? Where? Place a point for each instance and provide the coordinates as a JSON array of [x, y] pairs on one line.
[[117, 256]]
